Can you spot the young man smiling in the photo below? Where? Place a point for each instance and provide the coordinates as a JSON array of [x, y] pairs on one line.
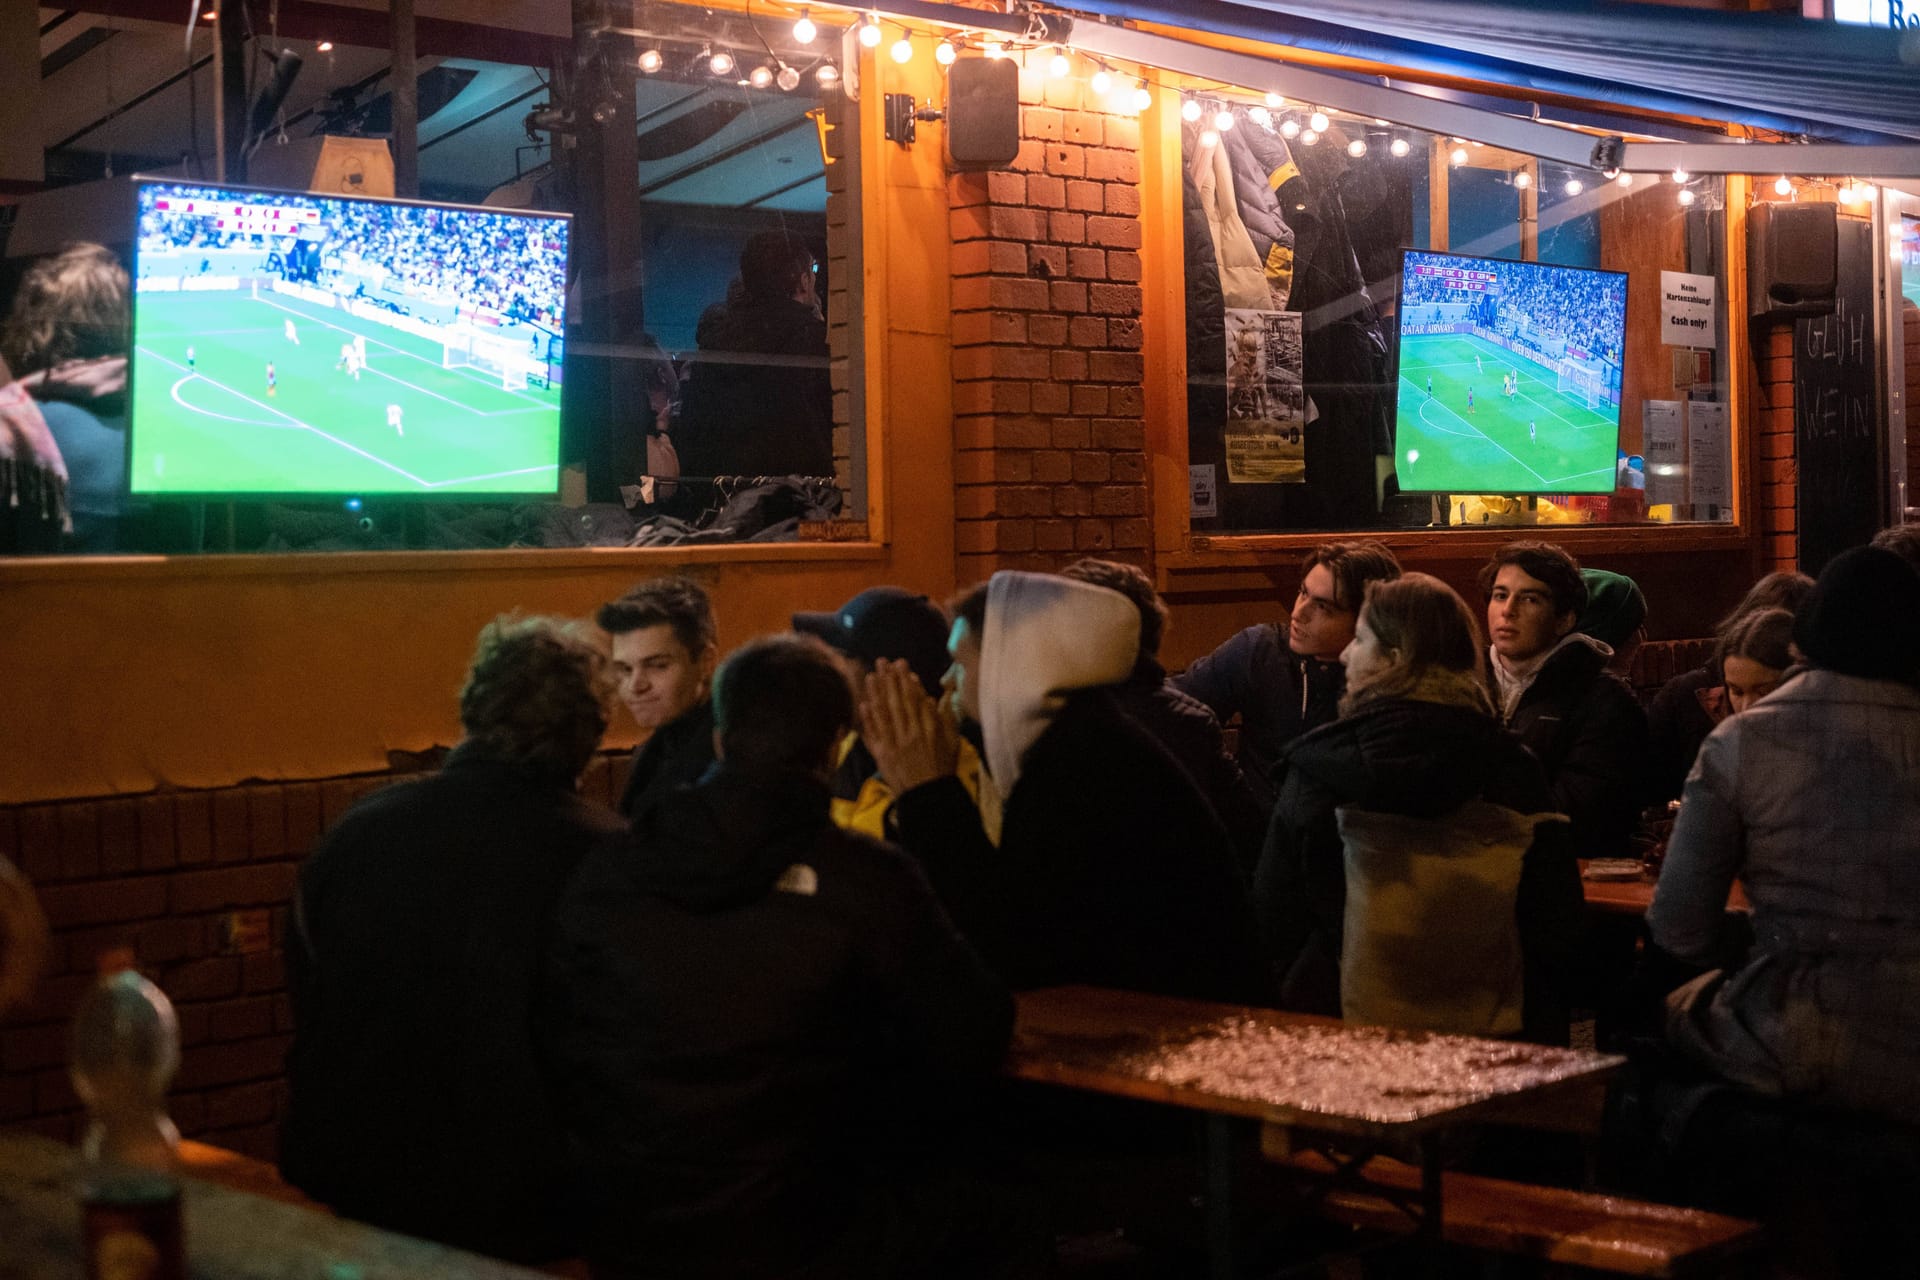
[[664, 653], [1284, 679], [1553, 689]]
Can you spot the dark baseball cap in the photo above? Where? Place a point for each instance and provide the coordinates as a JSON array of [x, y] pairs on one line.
[[886, 622]]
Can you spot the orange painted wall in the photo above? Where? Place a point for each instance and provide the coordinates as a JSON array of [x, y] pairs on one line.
[[117, 677]]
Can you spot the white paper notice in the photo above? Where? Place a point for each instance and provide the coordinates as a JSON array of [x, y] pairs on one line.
[[1709, 457], [1204, 499], [1663, 444], [1686, 309]]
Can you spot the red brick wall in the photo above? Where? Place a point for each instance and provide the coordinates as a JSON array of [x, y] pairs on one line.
[[162, 874], [1050, 441], [1776, 482]]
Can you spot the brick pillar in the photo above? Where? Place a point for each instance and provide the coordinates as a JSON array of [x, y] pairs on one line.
[[1049, 431], [1776, 486]]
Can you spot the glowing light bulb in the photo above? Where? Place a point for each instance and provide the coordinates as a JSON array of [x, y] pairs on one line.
[[325, 46], [721, 63], [1318, 122], [1686, 197], [651, 61], [1101, 84], [1400, 147], [945, 54], [803, 29], [1289, 128], [1309, 137], [1357, 148], [827, 74], [1059, 64], [1260, 116], [1523, 180], [1625, 179], [870, 31], [1142, 98], [902, 50], [1190, 110], [1784, 187], [1223, 120], [1275, 101], [788, 79], [1574, 186], [1459, 155], [994, 49], [760, 77], [1208, 138], [1680, 175]]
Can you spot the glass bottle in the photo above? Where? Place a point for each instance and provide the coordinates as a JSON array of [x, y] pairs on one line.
[[126, 1047]]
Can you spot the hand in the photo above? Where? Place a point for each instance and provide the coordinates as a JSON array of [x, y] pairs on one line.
[[911, 741]]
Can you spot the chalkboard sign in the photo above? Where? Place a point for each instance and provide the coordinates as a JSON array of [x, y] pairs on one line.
[[1836, 428]]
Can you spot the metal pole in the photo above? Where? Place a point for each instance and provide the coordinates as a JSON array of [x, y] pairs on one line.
[[404, 86]]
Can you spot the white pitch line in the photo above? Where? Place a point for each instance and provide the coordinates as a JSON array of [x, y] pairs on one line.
[[411, 355], [333, 439], [1495, 443], [1428, 423], [1597, 471], [493, 475]]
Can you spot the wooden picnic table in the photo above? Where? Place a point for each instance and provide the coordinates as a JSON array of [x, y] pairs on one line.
[[1633, 897], [230, 1235], [1355, 1090]]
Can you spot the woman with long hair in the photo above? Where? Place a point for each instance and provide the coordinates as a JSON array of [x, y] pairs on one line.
[[1417, 752]]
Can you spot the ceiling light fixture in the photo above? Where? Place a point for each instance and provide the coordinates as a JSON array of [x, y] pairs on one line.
[[870, 31], [902, 50], [803, 29], [652, 60], [945, 54]]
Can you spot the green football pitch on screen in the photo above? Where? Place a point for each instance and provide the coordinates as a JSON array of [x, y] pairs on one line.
[[207, 420], [1458, 431]]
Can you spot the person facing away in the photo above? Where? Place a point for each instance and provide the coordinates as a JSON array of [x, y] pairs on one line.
[[1417, 736], [759, 400], [1811, 799], [763, 1024], [664, 650], [879, 624], [420, 927], [1112, 868], [1552, 687], [1283, 679], [1181, 723], [1688, 706], [1616, 616]]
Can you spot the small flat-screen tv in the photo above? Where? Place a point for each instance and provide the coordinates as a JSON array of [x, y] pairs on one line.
[[1509, 376], [288, 345]]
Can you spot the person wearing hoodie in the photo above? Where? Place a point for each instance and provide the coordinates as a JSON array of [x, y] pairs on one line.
[[1112, 868], [419, 931], [1811, 799], [759, 401], [1551, 684], [763, 1027], [1182, 724], [1418, 737], [1283, 679]]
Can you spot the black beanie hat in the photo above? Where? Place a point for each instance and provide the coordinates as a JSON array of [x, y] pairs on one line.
[[1863, 618]]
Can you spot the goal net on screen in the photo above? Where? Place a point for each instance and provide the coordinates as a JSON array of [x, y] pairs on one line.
[[495, 357]]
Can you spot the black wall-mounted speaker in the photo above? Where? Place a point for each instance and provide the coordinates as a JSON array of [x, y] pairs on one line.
[[1792, 259], [983, 113]]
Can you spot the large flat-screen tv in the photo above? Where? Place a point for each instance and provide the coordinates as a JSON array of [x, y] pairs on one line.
[[1509, 376], [290, 345]]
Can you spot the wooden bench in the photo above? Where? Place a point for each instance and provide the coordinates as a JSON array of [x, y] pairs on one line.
[[1547, 1224]]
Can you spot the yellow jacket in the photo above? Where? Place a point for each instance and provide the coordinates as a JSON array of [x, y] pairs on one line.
[[861, 797]]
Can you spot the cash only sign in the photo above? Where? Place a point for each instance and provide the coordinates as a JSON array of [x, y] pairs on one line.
[[1686, 310]]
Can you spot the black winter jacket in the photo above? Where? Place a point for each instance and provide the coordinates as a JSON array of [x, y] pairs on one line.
[[1676, 726], [418, 935], [675, 755], [1425, 760], [749, 1004], [1587, 730], [759, 401], [1256, 677], [1112, 869]]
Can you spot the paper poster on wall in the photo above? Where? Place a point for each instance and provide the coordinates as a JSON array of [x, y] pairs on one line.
[[1692, 369], [1203, 496], [1686, 309], [1663, 445], [1266, 398], [1709, 461]]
